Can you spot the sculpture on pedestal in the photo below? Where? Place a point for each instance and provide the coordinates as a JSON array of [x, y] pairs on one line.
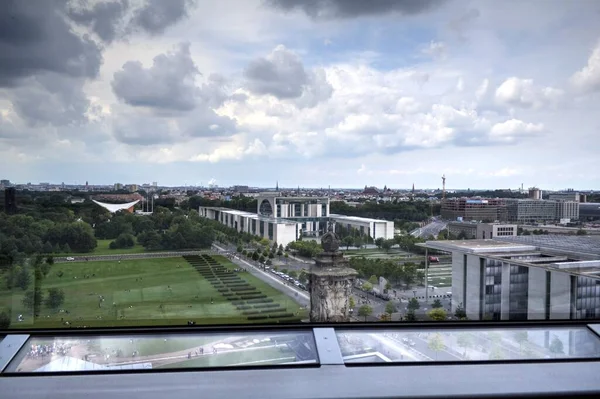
[[330, 282]]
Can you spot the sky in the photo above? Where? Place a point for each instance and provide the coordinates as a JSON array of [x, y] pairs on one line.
[[341, 93]]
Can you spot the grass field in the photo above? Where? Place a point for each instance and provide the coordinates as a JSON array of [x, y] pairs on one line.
[[161, 291], [262, 356]]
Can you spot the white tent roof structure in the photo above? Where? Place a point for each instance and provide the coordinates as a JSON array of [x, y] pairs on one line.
[[113, 208]]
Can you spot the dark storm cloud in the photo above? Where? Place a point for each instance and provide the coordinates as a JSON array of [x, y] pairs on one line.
[[329, 9], [34, 37], [156, 15], [167, 84], [103, 18], [50, 98], [283, 75]]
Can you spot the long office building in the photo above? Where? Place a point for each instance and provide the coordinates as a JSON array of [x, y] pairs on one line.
[[525, 277], [479, 209], [470, 230], [532, 210], [285, 219]]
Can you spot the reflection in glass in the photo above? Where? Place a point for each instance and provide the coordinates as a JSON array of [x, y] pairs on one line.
[[62, 354], [468, 344]]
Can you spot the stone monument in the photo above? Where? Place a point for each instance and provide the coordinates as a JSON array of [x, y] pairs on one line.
[[330, 282]]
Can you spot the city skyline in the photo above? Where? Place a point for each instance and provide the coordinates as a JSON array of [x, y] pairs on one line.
[[320, 93]]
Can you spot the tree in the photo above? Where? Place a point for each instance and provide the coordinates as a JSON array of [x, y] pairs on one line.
[[293, 274], [581, 232], [365, 311], [465, 341], [264, 242], [271, 256], [437, 314], [23, 278], [28, 300], [413, 304], [379, 242], [556, 346], [373, 280], [351, 302], [437, 304], [410, 316], [387, 245], [367, 287], [460, 312], [255, 256], [390, 307], [286, 256], [436, 343], [269, 262], [240, 249], [303, 277], [521, 338], [388, 286], [50, 260], [55, 298], [4, 320], [66, 248], [47, 248], [56, 248], [347, 241], [261, 259]]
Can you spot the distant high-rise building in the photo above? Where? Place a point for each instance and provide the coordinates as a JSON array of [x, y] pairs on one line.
[[118, 186], [10, 200], [5, 183], [535, 193]]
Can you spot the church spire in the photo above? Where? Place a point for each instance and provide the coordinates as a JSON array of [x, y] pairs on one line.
[[277, 185]]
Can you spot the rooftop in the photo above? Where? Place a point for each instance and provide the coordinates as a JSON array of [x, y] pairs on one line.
[[589, 245], [251, 215], [478, 246], [355, 218]]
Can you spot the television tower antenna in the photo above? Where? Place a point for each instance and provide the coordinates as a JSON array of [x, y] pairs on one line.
[[444, 186]]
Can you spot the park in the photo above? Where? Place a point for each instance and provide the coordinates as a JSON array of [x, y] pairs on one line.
[[199, 289]]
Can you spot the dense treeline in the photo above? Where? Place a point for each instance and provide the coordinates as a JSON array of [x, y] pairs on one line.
[[240, 203], [406, 274], [28, 235], [413, 211]]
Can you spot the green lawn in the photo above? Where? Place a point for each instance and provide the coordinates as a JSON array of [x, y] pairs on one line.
[[133, 292], [263, 356]]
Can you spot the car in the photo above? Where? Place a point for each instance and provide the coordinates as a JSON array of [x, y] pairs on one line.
[[70, 258]]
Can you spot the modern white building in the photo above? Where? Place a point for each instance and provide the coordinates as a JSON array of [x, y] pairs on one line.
[[285, 219], [375, 228], [277, 230], [525, 277], [310, 212]]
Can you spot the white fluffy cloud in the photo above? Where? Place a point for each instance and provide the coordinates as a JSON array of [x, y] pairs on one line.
[[523, 93], [302, 96], [588, 78]]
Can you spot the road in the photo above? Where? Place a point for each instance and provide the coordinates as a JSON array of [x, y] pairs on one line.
[[431, 229], [296, 294]]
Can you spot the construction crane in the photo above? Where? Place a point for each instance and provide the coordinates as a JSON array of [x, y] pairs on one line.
[[444, 186]]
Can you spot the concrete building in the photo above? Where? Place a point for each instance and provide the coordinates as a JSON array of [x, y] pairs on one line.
[[567, 210], [479, 209], [274, 229], [567, 196], [525, 277], [375, 228], [481, 230], [589, 211], [535, 193], [532, 210]]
